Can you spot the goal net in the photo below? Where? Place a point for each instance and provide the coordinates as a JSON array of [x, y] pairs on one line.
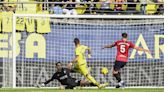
[[47, 39]]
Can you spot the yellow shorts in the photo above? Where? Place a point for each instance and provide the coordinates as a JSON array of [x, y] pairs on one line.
[[83, 69]]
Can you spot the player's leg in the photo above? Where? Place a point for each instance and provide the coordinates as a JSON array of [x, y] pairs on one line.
[[72, 82], [116, 72], [86, 82], [75, 69], [84, 70], [122, 83]]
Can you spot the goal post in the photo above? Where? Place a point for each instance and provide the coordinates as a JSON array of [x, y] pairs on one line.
[[14, 50], [142, 70]]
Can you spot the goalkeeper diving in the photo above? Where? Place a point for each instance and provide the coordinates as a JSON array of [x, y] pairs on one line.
[[66, 81], [80, 63]]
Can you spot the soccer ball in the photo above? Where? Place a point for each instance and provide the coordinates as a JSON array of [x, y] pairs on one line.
[[104, 70]]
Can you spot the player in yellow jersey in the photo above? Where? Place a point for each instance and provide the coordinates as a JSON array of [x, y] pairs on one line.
[[81, 64]]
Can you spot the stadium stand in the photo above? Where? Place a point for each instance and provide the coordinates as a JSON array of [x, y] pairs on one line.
[[87, 6]]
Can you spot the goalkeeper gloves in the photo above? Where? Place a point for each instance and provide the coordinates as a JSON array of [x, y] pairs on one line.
[[42, 85]]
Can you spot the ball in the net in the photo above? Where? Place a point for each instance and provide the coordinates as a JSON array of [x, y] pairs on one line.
[[104, 70]]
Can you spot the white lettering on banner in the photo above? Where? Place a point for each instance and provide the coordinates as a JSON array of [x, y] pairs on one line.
[[141, 41], [40, 49]]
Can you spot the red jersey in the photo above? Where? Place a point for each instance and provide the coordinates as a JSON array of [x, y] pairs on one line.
[[123, 49]]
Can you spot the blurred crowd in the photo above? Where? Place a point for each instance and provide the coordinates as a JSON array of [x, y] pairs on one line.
[[74, 7]]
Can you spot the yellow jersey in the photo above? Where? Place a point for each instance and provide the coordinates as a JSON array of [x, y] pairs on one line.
[[43, 24], [11, 1], [80, 51]]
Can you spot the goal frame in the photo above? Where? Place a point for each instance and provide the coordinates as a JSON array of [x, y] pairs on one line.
[[70, 16]]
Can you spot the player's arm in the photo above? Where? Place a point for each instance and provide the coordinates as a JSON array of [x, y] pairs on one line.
[[138, 48], [141, 49], [89, 51], [109, 46], [48, 81], [75, 59]]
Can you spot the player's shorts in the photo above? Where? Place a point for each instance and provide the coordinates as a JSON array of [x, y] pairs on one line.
[[118, 65], [72, 83], [83, 69]]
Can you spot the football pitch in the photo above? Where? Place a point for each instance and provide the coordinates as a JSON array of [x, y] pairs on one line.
[[84, 90]]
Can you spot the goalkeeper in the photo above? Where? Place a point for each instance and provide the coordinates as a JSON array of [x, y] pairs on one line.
[[63, 76], [81, 64]]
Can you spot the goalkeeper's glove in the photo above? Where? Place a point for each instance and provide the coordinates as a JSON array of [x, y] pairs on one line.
[[42, 85]]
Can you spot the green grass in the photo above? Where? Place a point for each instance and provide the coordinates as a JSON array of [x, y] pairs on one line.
[[84, 90]]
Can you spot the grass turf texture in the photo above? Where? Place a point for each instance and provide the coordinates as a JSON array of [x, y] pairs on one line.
[[84, 90]]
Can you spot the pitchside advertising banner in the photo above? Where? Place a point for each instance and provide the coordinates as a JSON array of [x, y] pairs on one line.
[[58, 45]]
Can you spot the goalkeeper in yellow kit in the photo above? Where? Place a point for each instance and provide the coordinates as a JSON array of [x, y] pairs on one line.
[[81, 64]]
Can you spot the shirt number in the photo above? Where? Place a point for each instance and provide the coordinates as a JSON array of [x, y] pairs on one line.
[[122, 48]]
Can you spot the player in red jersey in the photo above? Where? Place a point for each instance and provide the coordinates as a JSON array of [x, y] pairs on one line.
[[123, 47]]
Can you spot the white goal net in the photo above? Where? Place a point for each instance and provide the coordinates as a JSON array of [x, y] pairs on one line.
[[46, 39]]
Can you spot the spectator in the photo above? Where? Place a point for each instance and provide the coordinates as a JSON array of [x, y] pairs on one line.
[[69, 9], [104, 8], [118, 7], [160, 9], [93, 8], [132, 7], [39, 7], [56, 8], [151, 8], [1, 6], [10, 7]]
